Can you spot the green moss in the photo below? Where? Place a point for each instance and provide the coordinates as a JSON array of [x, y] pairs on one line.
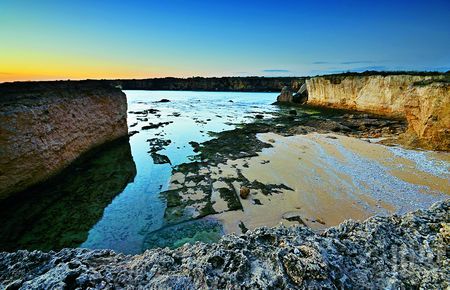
[[173, 197], [174, 236]]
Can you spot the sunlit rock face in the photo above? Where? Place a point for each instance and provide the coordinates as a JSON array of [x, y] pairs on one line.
[[46, 125], [427, 111], [424, 100]]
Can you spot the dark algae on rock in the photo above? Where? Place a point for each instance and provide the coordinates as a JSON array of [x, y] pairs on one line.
[[194, 195], [409, 251]]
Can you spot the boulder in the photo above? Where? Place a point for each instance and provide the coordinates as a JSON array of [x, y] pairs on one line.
[[244, 192], [285, 96], [288, 96], [301, 97]]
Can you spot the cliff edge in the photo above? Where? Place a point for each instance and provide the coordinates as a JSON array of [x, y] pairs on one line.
[[44, 126], [424, 100]]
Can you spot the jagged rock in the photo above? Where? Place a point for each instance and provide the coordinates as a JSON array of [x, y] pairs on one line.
[[382, 252]]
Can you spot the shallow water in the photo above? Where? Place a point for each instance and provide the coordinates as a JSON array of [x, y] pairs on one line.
[[111, 198], [139, 210]]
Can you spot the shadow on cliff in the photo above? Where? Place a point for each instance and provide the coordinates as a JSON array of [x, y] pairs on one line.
[[60, 212]]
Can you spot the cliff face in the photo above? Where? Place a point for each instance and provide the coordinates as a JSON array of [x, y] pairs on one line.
[[427, 110], [423, 100], [46, 125]]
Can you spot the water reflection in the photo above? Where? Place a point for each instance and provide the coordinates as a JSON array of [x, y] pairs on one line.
[[59, 213], [134, 221]]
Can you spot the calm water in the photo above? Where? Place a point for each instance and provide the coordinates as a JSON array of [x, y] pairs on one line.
[[139, 209], [111, 198]]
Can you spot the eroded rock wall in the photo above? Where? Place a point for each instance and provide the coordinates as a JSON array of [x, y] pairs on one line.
[[45, 126], [424, 100], [427, 110]]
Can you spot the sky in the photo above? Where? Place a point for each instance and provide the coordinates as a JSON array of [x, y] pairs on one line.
[[47, 40]]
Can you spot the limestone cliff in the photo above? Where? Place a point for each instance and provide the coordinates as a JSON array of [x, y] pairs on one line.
[[44, 126], [424, 100], [427, 110]]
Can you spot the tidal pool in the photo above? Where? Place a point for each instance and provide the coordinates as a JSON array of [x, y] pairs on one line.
[[111, 198], [136, 212]]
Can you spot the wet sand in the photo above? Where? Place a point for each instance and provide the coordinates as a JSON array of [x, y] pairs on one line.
[[334, 178]]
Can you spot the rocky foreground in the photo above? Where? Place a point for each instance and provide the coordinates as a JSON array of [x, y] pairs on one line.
[[382, 252]]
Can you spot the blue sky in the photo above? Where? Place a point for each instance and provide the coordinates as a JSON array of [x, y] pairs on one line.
[[108, 39]]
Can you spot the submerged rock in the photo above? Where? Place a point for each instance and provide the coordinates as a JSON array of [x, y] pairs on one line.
[[381, 252], [163, 101], [156, 125], [195, 146], [159, 158]]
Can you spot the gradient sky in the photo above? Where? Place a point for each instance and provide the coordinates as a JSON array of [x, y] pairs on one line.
[[138, 39]]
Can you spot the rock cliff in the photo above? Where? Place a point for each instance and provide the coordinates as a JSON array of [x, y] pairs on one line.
[[45, 126], [239, 84], [424, 100], [380, 253]]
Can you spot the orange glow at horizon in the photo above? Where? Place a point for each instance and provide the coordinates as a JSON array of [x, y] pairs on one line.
[[40, 76]]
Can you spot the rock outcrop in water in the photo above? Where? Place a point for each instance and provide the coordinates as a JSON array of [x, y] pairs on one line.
[[288, 95], [382, 252], [424, 100], [46, 125]]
